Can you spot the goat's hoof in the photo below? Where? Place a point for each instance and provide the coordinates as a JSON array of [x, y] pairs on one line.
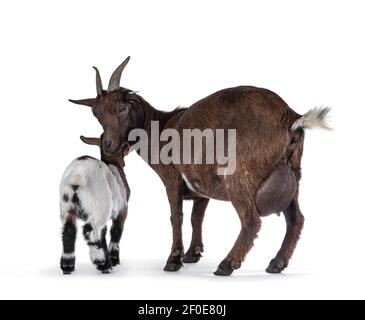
[[191, 258], [115, 260], [193, 255], [173, 267], [67, 269], [105, 266], [224, 273], [67, 265], [106, 271], [227, 267], [173, 264], [276, 266], [68, 272]]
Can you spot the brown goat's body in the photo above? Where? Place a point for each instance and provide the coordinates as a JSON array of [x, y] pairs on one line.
[[264, 178]]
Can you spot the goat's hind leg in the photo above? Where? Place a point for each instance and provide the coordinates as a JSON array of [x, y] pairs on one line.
[[294, 225], [116, 232], [279, 192], [193, 255], [250, 226], [95, 239], [67, 263]]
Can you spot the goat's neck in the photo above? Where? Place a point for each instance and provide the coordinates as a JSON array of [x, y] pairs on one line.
[[152, 114]]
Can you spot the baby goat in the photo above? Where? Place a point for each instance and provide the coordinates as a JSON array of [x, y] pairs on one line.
[[93, 191]]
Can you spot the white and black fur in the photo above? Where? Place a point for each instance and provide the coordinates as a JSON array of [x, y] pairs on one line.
[[93, 192]]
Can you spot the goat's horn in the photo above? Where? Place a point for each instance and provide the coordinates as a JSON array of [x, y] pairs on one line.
[[92, 141], [99, 84], [85, 102], [115, 78]]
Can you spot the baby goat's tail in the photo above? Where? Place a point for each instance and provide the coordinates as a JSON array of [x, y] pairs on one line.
[[314, 118]]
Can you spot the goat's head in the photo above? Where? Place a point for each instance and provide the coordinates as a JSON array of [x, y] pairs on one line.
[[115, 159], [118, 110]]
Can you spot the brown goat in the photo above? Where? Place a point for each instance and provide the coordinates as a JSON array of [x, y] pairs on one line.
[[269, 147]]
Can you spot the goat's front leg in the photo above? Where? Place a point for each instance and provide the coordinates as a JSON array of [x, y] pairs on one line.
[[174, 262], [116, 232], [95, 238], [67, 263]]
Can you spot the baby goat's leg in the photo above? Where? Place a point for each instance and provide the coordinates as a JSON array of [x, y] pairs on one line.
[[68, 240], [115, 236], [95, 239], [103, 237]]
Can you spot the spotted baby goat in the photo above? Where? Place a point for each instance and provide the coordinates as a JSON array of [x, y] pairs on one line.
[[93, 191]]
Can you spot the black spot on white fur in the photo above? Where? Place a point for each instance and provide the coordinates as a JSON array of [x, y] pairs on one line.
[[82, 214], [86, 231], [65, 198], [75, 199]]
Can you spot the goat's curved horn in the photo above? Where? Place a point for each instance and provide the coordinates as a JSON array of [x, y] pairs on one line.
[[114, 81], [92, 141], [99, 84]]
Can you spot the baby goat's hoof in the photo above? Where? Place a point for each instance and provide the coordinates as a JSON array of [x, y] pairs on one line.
[[113, 252], [105, 266], [67, 265], [115, 261], [276, 266], [114, 257], [67, 273]]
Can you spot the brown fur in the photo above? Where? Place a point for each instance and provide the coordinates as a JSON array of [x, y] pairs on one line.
[[268, 157]]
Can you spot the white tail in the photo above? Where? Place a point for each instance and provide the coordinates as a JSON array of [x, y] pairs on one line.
[[314, 118]]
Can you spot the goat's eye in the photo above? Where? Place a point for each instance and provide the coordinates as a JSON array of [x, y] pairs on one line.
[[122, 109]]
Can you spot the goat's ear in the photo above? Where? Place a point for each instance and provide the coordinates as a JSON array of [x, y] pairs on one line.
[[133, 97], [92, 141], [85, 102]]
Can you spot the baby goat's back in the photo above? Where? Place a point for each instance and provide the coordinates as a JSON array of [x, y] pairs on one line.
[[92, 190]]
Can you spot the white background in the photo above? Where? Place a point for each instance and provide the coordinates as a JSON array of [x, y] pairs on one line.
[[310, 52]]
